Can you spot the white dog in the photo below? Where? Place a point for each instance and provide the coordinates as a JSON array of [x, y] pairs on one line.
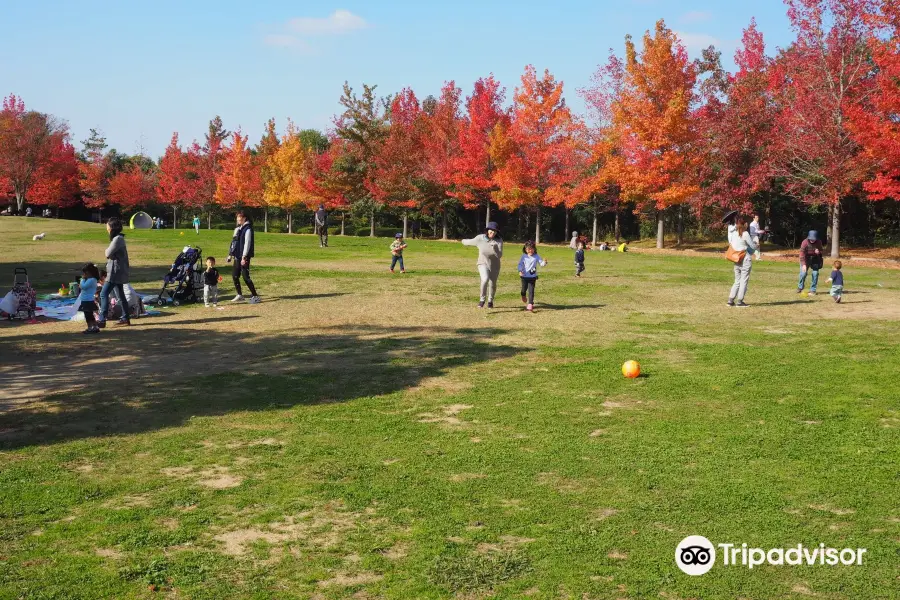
[[38, 237]]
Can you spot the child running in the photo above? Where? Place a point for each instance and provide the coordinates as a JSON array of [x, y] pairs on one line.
[[837, 281], [89, 278], [579, 258], [210, 283], [397, 247], [528, 265]]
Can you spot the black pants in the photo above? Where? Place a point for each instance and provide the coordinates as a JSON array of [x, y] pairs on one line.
[[528, 288], [322, 232], [242, 271]]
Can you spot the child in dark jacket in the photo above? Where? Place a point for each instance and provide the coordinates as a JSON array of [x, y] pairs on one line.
[[579, 259], [837, 281], [528, 265]]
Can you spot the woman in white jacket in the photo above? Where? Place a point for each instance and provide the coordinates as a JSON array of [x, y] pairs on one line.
[[739, 239], [490, 251]]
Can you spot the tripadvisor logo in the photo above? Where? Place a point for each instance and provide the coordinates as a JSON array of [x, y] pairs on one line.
[[696, 555]]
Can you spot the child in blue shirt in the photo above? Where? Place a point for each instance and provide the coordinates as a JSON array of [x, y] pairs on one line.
[[528, 265], [579, 258], [90, 275], [837, 282]]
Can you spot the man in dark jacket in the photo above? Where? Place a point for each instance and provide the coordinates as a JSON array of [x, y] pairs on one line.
[[241, 251], [810, 260], [322, 226]]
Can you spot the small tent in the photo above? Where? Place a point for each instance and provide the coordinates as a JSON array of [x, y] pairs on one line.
[[141, 220]]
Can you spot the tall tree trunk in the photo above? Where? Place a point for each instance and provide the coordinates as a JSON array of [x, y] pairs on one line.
[[618, 230], [20, 201], [519, 225], [444, 223], [487, 214], [829, 225], [209, 220], [372, 223], [596, 220], [566, 236], [405, 225], [537, 226], [836, 231], [660, 228], [343, 218], [265, 220], [290, 221], [680, 239], [174, 217]]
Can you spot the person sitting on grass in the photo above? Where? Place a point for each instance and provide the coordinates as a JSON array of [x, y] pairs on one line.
[[837, 281], [528, 265], [397, 247], [90, 277], [623, 247]]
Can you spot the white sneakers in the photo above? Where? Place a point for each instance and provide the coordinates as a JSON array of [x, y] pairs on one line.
[[238, 298], [254, 300]]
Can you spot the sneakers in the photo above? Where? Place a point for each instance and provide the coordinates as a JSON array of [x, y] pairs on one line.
[[481, 304], [799, 290], [524, 299], [530, 308], [392, 270], [741, 304], [837, 299], [123, 321], [101, 324], [729, 303], [90, 330], [254, 300], [812, 292], [206, 304], [491, 304], [238, 298], [402, 271]]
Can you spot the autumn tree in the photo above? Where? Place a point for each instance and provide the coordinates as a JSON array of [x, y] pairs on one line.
[[238, 176], [31, 144], [264, 150], [285, 168], [440, 131], [178, 182], [473, 168], [207, 159], [363, 126], [536, 155], [132, 187], [825, 71]]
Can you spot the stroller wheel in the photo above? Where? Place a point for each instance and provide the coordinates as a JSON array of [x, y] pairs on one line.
[[160, 302], [176, 302]]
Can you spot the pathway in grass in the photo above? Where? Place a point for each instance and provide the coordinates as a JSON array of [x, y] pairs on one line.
[[375, 436]]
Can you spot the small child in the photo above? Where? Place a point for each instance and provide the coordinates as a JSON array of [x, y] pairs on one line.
[[210, 283], [89, 278], [397, 247], [579, 259], [528, 265], [623, 247], [837, 281]]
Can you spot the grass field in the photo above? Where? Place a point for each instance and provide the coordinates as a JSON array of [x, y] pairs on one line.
[[363, 435]]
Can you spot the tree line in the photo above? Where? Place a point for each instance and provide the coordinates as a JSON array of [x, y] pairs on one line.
[[813, 127]]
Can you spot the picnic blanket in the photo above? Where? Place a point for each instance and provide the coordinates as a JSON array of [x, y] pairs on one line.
[[65, 308]]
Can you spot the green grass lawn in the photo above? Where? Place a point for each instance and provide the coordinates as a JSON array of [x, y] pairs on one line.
[[367, 435]]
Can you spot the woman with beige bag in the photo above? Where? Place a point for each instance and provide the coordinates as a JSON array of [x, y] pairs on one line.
[[740, 252]]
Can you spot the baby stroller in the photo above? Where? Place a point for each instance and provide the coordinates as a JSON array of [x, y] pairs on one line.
[[187, 277], [24, 295]]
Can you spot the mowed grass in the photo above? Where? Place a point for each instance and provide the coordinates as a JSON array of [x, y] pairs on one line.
[[368, 435]]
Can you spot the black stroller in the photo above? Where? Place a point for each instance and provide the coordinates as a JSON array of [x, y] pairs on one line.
[[187, 276]]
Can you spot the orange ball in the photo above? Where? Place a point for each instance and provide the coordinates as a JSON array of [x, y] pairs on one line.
[[631, 369]]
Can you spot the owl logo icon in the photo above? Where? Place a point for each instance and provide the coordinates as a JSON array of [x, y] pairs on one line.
[[695, 555]]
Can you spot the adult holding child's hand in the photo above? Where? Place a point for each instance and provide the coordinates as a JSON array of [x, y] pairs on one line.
[[117, 271]]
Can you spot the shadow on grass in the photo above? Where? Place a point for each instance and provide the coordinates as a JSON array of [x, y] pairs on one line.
[[311, 296], [567, 306], [46, 277], [145, 379]]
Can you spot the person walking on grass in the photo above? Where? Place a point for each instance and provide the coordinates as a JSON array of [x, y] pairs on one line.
[[196, 223], [837, 281], [321, 223], [490, 251], [528, 266], [579, 258], [117, 268], [397, 248], [241, 252], [739, 239], [756, 233], [810, 260]]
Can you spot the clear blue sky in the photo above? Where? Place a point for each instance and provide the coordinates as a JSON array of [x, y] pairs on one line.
[[140, 70]]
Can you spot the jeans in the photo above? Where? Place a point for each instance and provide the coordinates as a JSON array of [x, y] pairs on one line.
[[579, 268], [119, 289], [488, 282], [210, 294], [245, 272], [837, 291], [801, 282], [741, 279], [528, 288], [396, 258]]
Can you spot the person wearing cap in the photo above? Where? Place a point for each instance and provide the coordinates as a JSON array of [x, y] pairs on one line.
[[490, 251], [811, 259], [397, 247]]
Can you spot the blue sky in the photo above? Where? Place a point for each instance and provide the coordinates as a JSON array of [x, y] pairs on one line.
[[140, 70]]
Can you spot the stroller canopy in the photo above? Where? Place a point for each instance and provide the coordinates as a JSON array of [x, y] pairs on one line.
[[141, 220]]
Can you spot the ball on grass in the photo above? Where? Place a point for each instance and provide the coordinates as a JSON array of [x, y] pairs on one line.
[[182, 233], [631, 369]]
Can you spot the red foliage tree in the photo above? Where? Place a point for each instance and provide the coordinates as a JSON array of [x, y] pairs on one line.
[[178, 183], [440, 146], [132, 187], [56, 182], [238, 177]]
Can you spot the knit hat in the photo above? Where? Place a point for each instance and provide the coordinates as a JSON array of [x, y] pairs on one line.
[[398, 235], [813, 235], [493, 225]]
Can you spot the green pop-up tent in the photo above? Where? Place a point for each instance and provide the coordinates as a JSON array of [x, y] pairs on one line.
[[141, 220]]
